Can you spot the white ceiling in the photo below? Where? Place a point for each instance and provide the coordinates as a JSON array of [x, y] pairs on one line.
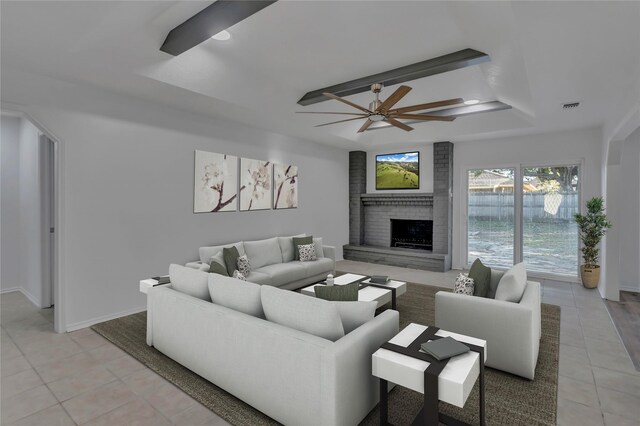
[[542, 55]]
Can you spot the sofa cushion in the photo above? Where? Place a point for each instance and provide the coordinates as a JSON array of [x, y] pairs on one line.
[[259, 278], [235, 294], [189, 281], [300, 241], [354, 314], [318, 244], [303, 313], [512, 284], [481, 276], [323, 265], [263, 252], [283, 273], [231, 256], [286, 247], [338, 293], [217, 265], [206, 253]]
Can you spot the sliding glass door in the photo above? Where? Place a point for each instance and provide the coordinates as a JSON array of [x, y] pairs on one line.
[[491, 219], [550, 198], [524, 214]]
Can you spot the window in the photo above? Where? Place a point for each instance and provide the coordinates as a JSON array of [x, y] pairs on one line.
[[524, 214]]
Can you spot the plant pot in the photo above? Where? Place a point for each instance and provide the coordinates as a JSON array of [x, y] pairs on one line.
[[590, 275]]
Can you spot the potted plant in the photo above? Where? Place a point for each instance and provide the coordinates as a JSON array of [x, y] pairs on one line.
[[593, 226]]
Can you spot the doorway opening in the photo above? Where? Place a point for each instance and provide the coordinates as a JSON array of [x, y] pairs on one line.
[[28, 255]]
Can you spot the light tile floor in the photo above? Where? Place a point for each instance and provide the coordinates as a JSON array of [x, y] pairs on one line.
[[50, 379], [81, 378]]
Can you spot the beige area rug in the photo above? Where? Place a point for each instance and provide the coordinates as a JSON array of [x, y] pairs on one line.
[[509, 400]]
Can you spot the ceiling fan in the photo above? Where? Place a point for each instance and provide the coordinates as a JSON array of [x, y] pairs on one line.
[[382, 110]]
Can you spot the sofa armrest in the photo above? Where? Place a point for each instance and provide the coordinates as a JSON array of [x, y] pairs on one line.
[[330, 252], [509, 329], [199, 265], [347, 370]]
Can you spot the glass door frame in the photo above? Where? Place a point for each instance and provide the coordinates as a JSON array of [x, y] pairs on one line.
[[517, 214]]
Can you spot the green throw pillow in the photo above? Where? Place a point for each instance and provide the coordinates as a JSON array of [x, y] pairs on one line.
[[338, 293], [231, 256], [481, 278], [217, 265], [300, 241], [217, 268]]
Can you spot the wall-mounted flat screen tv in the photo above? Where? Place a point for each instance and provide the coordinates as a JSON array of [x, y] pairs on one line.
[[398, 171]]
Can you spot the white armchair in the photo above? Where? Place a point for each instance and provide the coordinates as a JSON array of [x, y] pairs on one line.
[[512, 330]]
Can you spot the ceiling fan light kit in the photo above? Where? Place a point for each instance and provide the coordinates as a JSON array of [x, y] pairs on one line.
[[382, 110]]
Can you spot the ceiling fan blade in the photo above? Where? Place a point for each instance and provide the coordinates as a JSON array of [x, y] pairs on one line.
[[424, 117], [339, 113], [344, 101], [396, 123], [340, 121], [394, 98], [421, 107], [365, 126]]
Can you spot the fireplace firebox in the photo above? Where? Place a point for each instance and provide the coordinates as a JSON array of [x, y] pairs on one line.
[[414, 234]]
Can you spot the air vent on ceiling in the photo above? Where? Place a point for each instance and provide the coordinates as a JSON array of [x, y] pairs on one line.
[[570, 105]]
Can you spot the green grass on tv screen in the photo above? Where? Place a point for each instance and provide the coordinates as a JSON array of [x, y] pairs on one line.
[[398, 171]]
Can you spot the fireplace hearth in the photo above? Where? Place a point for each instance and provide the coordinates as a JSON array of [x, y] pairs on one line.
[[412, 234]]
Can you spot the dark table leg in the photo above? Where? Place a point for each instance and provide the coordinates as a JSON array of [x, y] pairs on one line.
[[384, 403]]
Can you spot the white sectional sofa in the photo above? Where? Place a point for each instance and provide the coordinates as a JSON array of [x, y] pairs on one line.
[[272, 262], [512, 330], [238, 342]]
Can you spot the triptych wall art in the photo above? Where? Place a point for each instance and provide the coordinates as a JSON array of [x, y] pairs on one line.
[[219, 185]]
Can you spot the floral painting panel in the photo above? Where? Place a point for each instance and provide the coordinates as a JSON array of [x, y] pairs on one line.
[[215, 182], [255, 184], [285, 191]]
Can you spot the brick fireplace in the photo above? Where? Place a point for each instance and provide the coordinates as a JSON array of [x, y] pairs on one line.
[[422, 221]]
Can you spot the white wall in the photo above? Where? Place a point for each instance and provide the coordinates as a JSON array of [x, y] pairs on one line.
[[127, 191], [9, 203], [426, 167], [628, 213], [569, 146]]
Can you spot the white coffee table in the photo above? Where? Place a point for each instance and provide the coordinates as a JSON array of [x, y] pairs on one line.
[[381, 294], [454, 383]]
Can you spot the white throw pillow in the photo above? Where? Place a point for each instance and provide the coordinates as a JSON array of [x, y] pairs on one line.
[[243, 265], [464, 285], [512, 284], [307, 252], [190, 281], [307, 314], [239, 275], [354, 314], [241, 296]]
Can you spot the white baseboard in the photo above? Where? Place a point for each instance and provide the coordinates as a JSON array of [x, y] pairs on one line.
[[629, 289], [26, 294], [97, 320]]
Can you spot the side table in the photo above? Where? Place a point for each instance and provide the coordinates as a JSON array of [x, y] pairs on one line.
[[401, 362], [145, 285]]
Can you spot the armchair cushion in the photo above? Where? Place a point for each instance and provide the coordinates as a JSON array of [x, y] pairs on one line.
[[512, 284]]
